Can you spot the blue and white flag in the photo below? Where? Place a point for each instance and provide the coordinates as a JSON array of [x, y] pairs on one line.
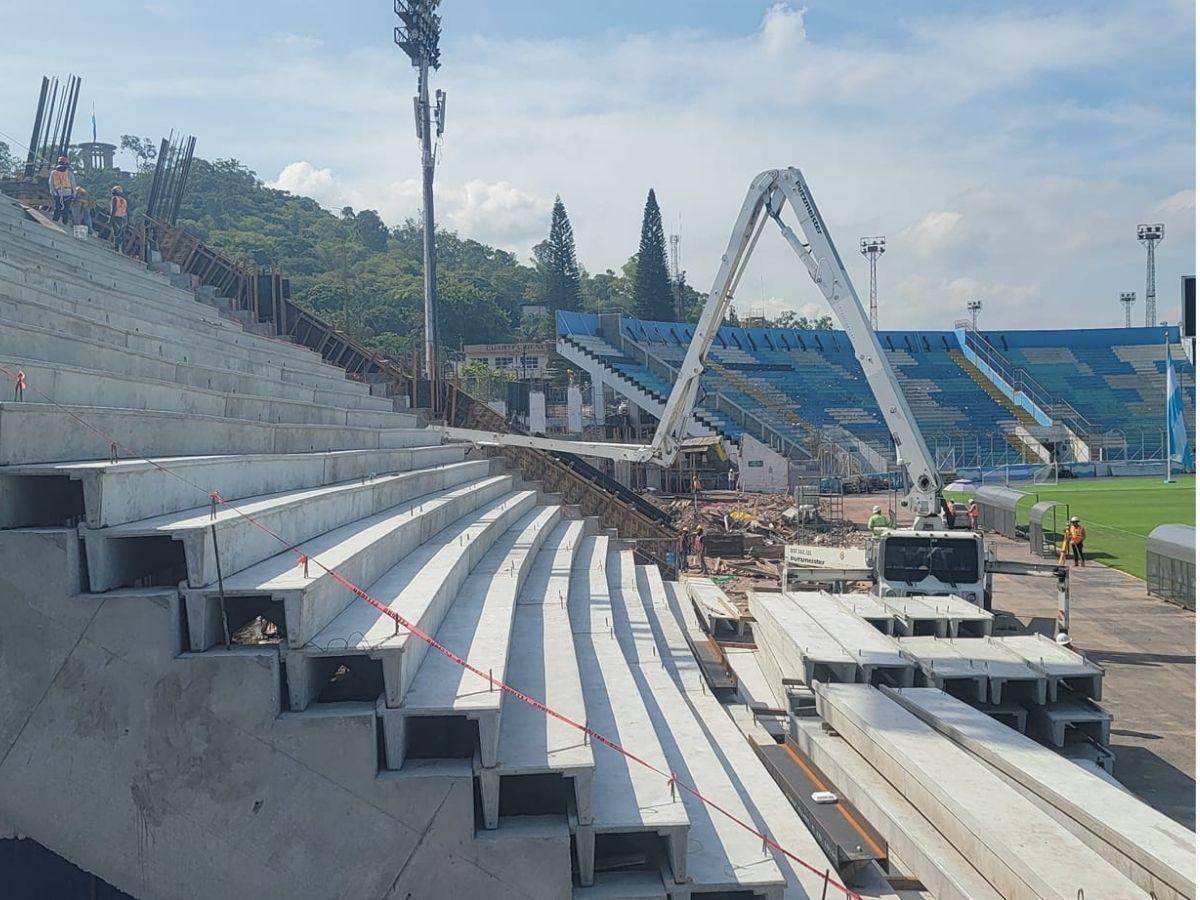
[[93, 122], [1179, 448]]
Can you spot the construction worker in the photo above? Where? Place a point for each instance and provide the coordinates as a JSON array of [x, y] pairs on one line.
[[62, 189], [878, 521], [973, 513], [118, 216], [698, 544], [1074, 538], [81, 209]]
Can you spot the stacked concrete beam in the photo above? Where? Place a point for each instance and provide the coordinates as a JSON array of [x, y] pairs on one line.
[[713, 605], [980, 667], [1153, 851], [945, 615], [1022, 851]]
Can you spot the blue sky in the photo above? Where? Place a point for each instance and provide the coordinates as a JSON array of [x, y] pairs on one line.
[[1007, 151]]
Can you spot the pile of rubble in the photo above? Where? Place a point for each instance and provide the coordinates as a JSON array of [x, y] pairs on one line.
[[745, 534]]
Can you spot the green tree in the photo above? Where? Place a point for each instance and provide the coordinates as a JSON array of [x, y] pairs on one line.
[[8, 164], [370, 230], [558, 269], [652, 284], [144, 149]]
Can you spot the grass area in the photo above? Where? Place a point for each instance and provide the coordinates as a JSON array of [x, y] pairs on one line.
[[1118, 513]]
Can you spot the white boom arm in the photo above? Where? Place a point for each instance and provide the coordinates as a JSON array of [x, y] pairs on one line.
[[766, 199]]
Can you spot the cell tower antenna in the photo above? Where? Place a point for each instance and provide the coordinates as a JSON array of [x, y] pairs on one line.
[[873, 248], [1148, 237], [1128, 298]]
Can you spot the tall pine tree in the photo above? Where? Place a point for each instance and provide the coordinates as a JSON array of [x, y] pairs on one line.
[[556, 263], [652, 286]]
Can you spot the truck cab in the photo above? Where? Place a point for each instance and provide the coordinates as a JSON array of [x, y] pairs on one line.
[[916, 563]]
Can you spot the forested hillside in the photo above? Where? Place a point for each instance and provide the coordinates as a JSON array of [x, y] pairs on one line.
[[367, 278]]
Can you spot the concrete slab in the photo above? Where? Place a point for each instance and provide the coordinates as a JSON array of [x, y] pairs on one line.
[[870, 609], [292, 517], [714, 607], [1008, 675], [40, 433], [940, 665], [627, 797], [733, 859], [1150, 849], [753, 685], [1070, 719], [478, 628], [421, 588], [1022, 851], [878, 656], [804, 650], [542, 665], [934, 860], [131, 490], [770, 810], [1063, 667], [362, 551], [944, 615]]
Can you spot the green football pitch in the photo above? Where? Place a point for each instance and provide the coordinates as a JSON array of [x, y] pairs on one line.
[[1118, 513]]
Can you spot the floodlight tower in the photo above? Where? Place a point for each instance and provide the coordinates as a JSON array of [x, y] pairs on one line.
[[418, 37], [1148, 236], [873, 248], [1128, 298], [974, 307]]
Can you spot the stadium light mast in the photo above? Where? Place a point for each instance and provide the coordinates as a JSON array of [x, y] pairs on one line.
[[1128, 298], [1148, 237], [873, 248], [417, 36], [974, 307]]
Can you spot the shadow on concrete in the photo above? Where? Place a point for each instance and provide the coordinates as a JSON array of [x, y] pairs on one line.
[[1161, 785], [1136, 658]]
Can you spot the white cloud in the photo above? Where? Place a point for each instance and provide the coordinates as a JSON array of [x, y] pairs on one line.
[[300, 42], [782, 28], [304, 178], [936, 233]]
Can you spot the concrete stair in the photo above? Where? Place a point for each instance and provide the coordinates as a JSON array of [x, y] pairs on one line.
[[162, 654]]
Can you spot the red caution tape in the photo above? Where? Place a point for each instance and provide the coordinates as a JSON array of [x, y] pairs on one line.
[[303, 560]]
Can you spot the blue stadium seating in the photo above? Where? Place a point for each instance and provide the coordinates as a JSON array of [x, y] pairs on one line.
[[801, 381]]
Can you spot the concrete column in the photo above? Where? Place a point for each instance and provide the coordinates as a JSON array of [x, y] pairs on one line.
[[597, 401], [574, 409], [623, 472], [537, 412]]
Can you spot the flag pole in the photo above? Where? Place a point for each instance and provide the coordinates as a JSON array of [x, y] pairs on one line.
[[1167, 348]]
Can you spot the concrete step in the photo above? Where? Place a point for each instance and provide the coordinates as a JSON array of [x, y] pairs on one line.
[[629, 800], [102, 493], [105, 320], [76, 386], [478, 628], [1021, 850], [250, 530], [421, 587], [41, 433], [183, 347], [541, 664], [732, 859], [772, 812], [361, 552]]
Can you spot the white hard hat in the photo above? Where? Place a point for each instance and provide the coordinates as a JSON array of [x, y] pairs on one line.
[[876, 509], [1074, 518]]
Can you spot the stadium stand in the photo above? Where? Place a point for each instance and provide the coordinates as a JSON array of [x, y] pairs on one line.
[[807, 385], [146, 673]]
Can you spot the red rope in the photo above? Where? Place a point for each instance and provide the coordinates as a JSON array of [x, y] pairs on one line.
[[304, 560]]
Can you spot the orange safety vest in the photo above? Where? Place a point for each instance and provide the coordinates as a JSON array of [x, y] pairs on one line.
[[120, 206], [60, 178], [1076, 534]]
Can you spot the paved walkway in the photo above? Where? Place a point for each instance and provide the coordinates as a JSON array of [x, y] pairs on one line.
[[1148, 649]]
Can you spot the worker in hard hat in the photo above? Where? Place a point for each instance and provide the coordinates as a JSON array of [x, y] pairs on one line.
[[878, 521], [1074, 538], [118, 216], [973, 513], [62, 189], [81, 209]]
